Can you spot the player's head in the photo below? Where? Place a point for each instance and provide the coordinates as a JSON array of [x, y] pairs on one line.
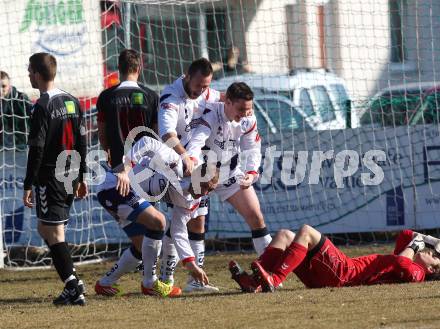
[[238, 104], [129, 62], [204, 179], [5, 87], [430, 260], [198, 77], [42, 69]]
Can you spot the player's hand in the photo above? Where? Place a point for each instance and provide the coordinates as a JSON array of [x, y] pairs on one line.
[[82, 190], [123, 184], [197, 273], [188, 164], [247, 181], [417, 244], [28, 198]]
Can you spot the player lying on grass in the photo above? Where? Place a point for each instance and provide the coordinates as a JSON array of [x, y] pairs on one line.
[[318, 263], [155, 163]]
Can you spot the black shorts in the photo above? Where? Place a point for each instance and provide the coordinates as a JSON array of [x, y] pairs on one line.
[[53, 202]]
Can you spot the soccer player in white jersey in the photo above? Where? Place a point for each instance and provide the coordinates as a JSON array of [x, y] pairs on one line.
[[229, 129], [179, 106]]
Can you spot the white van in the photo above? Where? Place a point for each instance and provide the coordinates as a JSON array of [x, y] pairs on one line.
[[319, 96]]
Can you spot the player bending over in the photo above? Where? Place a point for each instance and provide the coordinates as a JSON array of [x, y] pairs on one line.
[[143, 224], [157, 175], [318, 263]]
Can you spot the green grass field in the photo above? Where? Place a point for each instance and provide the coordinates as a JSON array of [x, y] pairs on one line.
[[25, 302]]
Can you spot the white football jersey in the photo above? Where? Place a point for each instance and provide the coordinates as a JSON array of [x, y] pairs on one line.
[[228, 139], [177, 110]]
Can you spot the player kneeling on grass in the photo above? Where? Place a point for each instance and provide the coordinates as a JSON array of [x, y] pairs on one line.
[[318, 263], [155, 163], [144, 225]]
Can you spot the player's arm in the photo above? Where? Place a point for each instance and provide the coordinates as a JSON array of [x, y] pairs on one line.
[[154, 113], [167, 124], [101, 124], [250, 146], [102, 136], [203, 128], [81, 147], [36, 142], [414, 246], [179, 234], [162, 157], [405, 238]]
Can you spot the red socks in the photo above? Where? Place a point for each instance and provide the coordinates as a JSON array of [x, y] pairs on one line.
[[292, 257], [269, 258]]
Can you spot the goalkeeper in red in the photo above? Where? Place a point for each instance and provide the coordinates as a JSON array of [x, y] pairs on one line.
[[318, 263]]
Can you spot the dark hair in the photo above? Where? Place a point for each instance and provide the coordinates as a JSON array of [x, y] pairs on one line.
[[4, 75], [129, 61], [201, 65], [239, 90], [45, 64], [435, 276]]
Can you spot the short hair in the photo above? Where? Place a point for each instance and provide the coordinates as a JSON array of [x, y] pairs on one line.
[[129, 61], [201, 65], [45, 64], [239, 90], [4, 75]]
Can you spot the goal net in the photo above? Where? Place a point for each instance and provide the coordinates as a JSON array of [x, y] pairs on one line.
[[346, 98]]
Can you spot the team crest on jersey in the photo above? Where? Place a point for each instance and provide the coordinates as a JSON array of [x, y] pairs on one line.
[[70, 107], [244, 125], [137, 98]]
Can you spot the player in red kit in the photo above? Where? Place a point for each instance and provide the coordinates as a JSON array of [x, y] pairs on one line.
[[318, 263]]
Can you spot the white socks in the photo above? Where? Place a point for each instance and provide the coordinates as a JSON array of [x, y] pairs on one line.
[[150, 253], [126, 263], [169, 260], [261, 243]]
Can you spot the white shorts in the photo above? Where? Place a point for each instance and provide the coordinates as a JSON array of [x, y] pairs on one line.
[[230, 187], [202, 210]]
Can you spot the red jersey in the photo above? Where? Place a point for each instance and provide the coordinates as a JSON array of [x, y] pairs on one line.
[[330, 267]]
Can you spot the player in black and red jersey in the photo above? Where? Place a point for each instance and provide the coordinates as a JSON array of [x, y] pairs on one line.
[[57, 130]]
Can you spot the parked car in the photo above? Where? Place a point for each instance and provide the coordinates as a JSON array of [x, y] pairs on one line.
[[428, 111], [318, 95], [277, 113], [394, 106]]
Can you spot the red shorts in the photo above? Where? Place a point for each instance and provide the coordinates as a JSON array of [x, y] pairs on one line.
[[325, 266]]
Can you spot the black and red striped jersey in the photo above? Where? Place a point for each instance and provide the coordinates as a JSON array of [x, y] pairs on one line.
[[121, 108], [56, 125]]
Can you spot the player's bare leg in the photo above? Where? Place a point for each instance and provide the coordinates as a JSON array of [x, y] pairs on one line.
[[246, 202]]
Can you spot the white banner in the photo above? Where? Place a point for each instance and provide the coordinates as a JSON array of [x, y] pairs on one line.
[[302, 190], [70, 30]]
